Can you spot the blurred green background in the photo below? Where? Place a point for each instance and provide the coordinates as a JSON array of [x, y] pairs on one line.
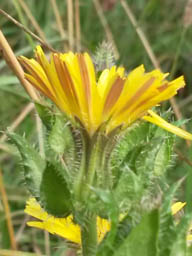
[[166, 24]]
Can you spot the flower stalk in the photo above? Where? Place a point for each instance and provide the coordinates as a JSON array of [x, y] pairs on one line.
[[89, 235]]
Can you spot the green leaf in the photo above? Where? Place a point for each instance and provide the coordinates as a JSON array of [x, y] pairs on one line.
[[135, 137], [7, 80], [55, 195], [110, 206], [189, 251], [164, 156], [112, 243], [179, 247], [12, 85], [33, 164], [142, 239], [128, 189], [60, 138], [45, 114], [167, 231]]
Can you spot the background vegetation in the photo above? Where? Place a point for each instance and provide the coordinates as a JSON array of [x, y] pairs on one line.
[[167, 27]]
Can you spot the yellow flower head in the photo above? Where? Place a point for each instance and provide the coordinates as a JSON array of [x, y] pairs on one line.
[[64, 227], [112, 100]]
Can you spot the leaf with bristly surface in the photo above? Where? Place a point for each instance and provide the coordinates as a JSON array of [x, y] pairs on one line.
[[60, 137], [55, 195], [179, 247], [142, 239], [33, 163], [45, 114], [167, 231]]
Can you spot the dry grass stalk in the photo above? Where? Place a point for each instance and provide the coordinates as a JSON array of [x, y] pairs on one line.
[[15, 66], [32, 19], [18, 120], [70, 23], [7, 213], [18, 24], [187, 17], [140, 33], [16, 253], [47, 243], [106, 27], [39, 127], [22, 227], [150, 53], [77, 25], [59, 21], [182, 157]]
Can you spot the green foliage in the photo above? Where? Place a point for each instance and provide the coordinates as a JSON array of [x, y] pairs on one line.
[[167, 231], [33, 164], [54, 193], [61, 141], [142, 239], [179, 247], [155, 234], [138, 168], [45, 114], [140, 161]]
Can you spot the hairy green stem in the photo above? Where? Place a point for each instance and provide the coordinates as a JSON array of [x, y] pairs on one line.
[[89, 235], [82, 170], [93, 158]]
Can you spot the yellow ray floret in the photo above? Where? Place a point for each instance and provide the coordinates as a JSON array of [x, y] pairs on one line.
[[114, 99], [64, 227], [176, 207]]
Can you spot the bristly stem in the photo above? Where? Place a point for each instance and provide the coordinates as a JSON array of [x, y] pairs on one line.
[[89, 235], [92, 164]]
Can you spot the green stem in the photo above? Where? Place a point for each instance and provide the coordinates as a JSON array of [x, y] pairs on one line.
[[92, 165], [82, 171], [89, 235]]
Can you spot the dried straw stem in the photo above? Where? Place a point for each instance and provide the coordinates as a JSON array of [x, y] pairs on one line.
[[187, 17], [70, 23], [39, 127], [7, 213], [150, 53], [32, 19], [59, 21], [18, 120], [15, 66], [16, 253], [47, 243], [22, 227], [140, 33], [77, 25], [106, 27], [182, 157], [28, 31]]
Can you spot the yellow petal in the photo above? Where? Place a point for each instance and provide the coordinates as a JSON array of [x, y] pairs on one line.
[[156, 119], [64, 227], [189, 238], [61, 227], [176, 207], [114, 100]]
